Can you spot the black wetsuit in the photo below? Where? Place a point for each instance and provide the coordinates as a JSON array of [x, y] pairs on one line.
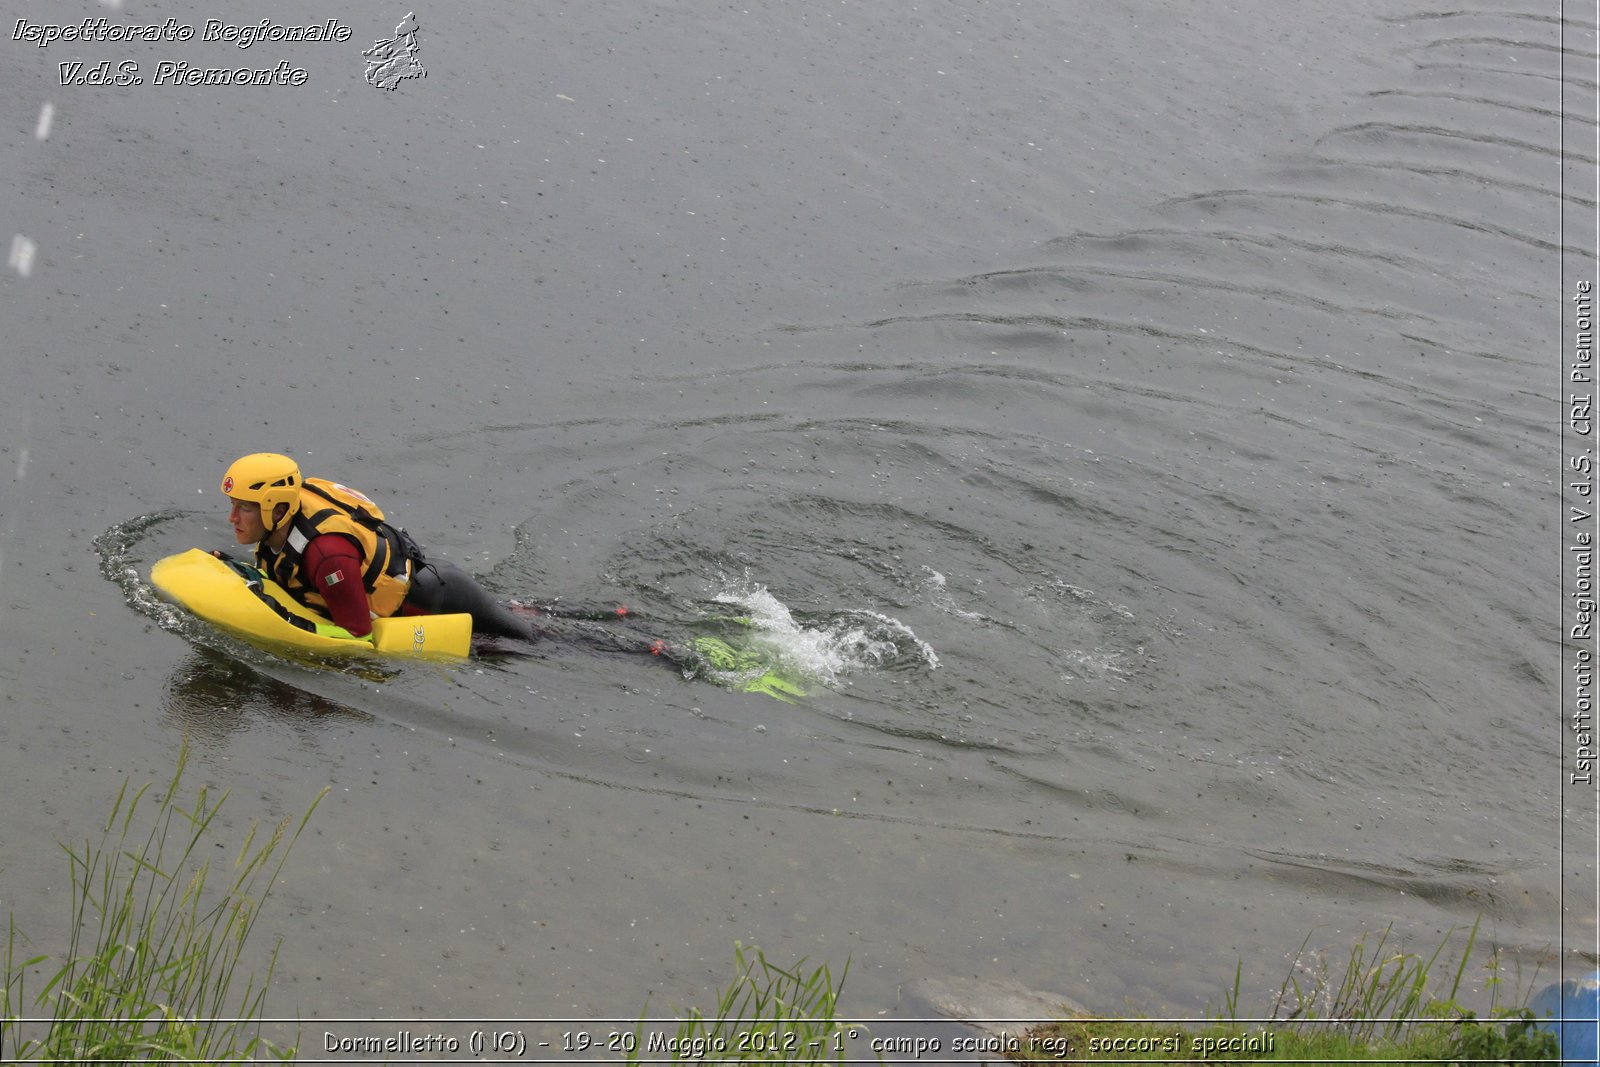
[[439, 587]]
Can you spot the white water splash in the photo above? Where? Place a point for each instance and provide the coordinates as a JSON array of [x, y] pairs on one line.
[[856, 640], [925, 650]]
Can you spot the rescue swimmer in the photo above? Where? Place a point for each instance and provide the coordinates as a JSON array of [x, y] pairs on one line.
[[330, 547]]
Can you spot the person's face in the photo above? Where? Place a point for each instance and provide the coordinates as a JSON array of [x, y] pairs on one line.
[[246, 519]]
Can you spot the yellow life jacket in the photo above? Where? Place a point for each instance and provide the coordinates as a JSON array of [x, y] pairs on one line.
[[388, 556]]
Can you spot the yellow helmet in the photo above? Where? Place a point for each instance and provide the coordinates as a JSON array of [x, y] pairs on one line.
[[265, 478]]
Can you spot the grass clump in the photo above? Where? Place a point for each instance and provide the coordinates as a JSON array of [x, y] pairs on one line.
[[1382, 1007], [152, 962], [767, 1014]]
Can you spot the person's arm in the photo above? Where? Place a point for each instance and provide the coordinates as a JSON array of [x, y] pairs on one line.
[[333, 568]]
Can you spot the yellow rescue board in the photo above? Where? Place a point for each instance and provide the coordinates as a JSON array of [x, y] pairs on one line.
[[217, 593]]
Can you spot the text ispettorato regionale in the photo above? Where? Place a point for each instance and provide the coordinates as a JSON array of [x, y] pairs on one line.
[[100, 29]]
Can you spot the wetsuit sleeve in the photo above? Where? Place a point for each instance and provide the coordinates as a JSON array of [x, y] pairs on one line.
[[333, 565]]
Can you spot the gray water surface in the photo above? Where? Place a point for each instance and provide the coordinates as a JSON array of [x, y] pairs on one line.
[[1138, 425]]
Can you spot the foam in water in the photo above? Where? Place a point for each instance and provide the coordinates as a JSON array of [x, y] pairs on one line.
[[1101, 664], [940, 595]]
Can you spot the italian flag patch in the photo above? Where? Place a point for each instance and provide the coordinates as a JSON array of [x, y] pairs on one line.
[[334, 579]]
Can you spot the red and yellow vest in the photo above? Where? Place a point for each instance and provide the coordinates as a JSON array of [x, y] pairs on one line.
[[330, 508]]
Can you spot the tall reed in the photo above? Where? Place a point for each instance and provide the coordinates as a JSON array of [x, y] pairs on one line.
[[153, 957], [1377, 992], [767, 1014]]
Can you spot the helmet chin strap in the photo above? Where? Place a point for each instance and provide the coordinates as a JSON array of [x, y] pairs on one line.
[[279, 531]]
